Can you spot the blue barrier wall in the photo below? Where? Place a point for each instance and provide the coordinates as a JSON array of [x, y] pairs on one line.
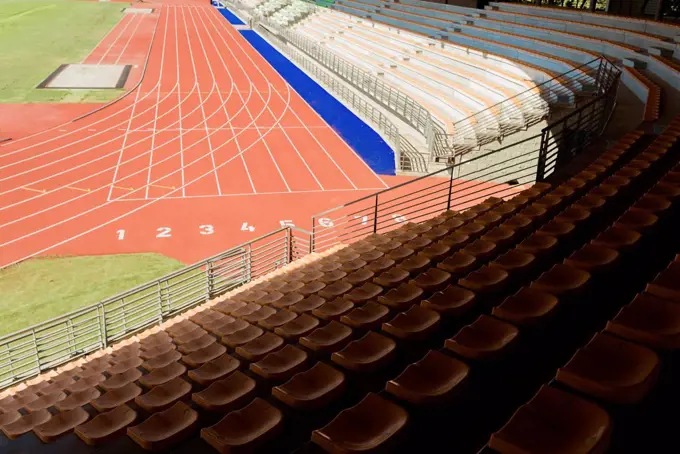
[[358, 135], [231, 17]]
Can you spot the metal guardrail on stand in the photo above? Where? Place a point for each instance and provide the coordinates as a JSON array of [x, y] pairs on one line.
[[32, 350]]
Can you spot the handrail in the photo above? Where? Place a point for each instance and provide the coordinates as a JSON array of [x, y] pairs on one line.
[[32, 350]]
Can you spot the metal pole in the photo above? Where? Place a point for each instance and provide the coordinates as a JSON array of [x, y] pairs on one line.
[[448, 202], [658, 14], [375, 215]]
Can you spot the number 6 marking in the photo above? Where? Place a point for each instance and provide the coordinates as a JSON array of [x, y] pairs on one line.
[[163, 232]]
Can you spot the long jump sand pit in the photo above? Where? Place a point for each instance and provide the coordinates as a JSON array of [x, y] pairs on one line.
[[87, 77]]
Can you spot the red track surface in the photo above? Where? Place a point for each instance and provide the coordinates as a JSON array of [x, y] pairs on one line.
[[213, 148]]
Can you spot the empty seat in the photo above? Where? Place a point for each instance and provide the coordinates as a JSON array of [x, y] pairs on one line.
[[230, 328], [281, 364], [638, 220], [453, 300], [665, 285], [329, 338], [335, 290], [277, 319], [25, 423], [158, 350], [308, 304], [45, 401], [593, 258], [333, 276], [501, 236], [333, 310], [86, 382], [433, 379], [115, 397], [258, 348], [289, 300], [297, 285], [455, 240], [458, 264], [352, 265], [106, 426], [228, 307], [364, 293], [436, 251], [486, 338], [367, 426], [527, 307], [480, 249], [245, 429], [214, 370], [420, 243], [161, 361], [367, 316], [432, 280], [649, 320], [259, 314], [312, 389], [162, 375], [561, 280], [202, 356], [380, 265], [311, 288], [226, 394], [538, 245], [415, 264], [485, 280], [246, 310], [554, 421], [270, 298], [197, 344], [164, 429], [163, 396], [298, 327], [617, 238], [249, 295], [60, 424], [611, 369], [392, 277], [78, 399], [367, 354], [414, 324], [247, 334], [402, 297], [359, 277]]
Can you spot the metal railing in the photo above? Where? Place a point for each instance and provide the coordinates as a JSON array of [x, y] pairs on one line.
[[499, 173], [32, 350], [524, 109]]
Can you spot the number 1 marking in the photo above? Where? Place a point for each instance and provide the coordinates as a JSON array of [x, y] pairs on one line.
[[121, 234]]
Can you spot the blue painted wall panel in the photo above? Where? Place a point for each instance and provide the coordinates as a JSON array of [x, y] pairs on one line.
[[358, 135], [231, 17]]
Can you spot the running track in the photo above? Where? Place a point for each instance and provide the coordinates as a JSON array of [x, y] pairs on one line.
[[211, 149]]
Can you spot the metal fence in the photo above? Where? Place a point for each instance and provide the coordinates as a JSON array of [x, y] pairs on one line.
[[30, 351], [524, 109]]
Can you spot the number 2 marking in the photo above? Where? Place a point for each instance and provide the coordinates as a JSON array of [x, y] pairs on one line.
[[121, 234], [163, 232]]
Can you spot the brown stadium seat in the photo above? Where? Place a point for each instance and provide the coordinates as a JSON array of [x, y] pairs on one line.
[[400, 253], [367, 354], [555, 421], [197, 344], [649, 320], [392, 277], [119, 396], [312, 389], [163, 375], [124, 365], [97, 364], [401, 297], [106, 426], [432, 280], [666, 285], [638, 220], [164, 429], [311, 288], [367, 426], [227, 394], [288, 300], [327, 339], [206, 316], [87, 382], [281, 365], [25, 423], [486, 338], [366, 292], [298, 327], [246, 429], [516, 263], [333, 310], [431, 380], [501, 236], [360, 277], [333, 276], [270, 298], [214, 369], [415, 264], [243, 336], [611, 369], [519, 223], [335, 290], [308, 304], [453, 300], [202, 356], [229, 306], [435, 233], [158, 350], [372, 255], [258, 348], [487, 280], [230, 328], [380, 265], [45, 401], [78, 399], [436, 251], [260, 314], [161, 361], [9, 416], [618, 238], [120, 380], [388, 247], [249, 295], [527, 307], [366, 316], [458, 264], [562, 280], [480, 249], [60, 424], [593, 258], [163, 396], [246, 310], [416, 323], [277, 319]]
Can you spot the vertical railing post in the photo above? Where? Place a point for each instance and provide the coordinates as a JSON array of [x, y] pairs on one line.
[[35, 350], [312, 239], [289, 246], [159, 292], [543, 150], [375, 215], [103, 332], [448, 201], [210, 285]]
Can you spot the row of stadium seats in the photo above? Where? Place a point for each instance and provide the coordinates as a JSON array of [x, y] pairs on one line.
[[408, 332]]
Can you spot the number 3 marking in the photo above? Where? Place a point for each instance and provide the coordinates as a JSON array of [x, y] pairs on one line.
[[163, 232], [207, 229]]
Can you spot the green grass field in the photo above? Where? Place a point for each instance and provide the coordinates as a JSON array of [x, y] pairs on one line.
[[41, 289], [36, 36]]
